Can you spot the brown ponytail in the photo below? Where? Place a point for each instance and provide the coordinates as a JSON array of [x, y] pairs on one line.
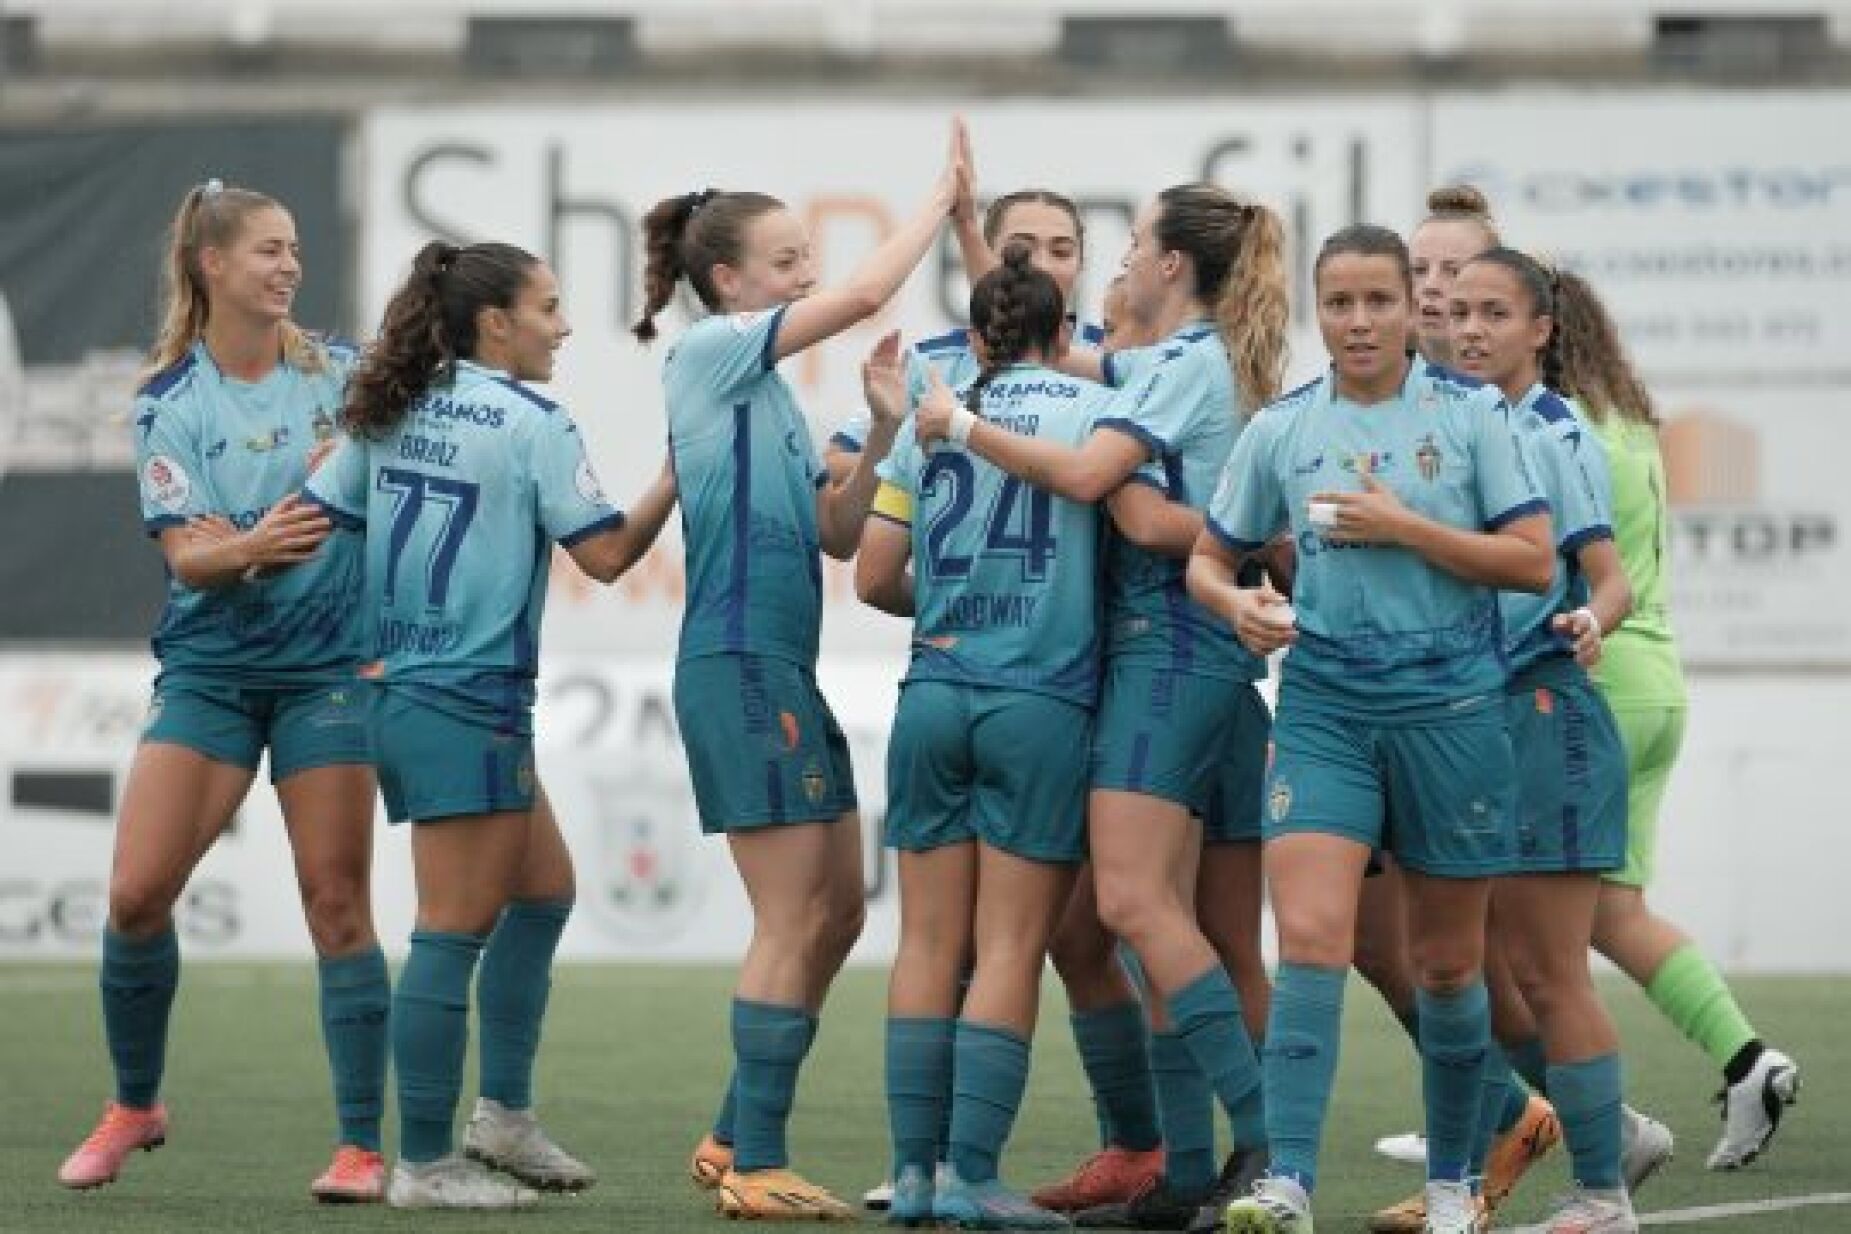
[[430, 324], [1238, 250], [685, 237], [1591, 362], [1018, 311]]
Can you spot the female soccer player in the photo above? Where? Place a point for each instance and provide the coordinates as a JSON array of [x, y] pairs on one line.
[[1571, 794], [987, 764], [769, 764], [259, 649], [1181, 730], [1410, 504], [463, 476], [1643, 680]]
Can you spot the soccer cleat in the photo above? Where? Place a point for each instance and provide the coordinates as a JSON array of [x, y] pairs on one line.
[[1112, 1175], [1275, 1206], [1452, 1209], [455, 1182], [355, 1176], [777, 1195], [1410, 1216], [878, 1199], [1157, 1207], [710, 1162], [1751, 1110], [1585, 1211], [909, 1198], [122, 1130], [988, 1206], [1515, 1151], [513, 1142], [1243, 1168], [1645, 1147]]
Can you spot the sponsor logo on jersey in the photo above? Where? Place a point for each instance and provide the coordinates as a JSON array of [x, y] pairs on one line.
[[166, 483], [263, 443], [1369, 462], [586, 481]]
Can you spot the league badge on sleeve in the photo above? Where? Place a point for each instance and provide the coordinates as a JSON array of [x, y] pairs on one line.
[[166, 483], [586, 481]]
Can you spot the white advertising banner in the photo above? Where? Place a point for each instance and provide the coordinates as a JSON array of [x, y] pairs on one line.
[[650, 885], [572, 184], [1718, 229]]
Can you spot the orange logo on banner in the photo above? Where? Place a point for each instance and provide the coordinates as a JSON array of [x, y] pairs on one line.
[[1710, 460]]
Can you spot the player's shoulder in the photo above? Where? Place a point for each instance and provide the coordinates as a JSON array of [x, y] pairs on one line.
[[1288, 406], [170, 385]]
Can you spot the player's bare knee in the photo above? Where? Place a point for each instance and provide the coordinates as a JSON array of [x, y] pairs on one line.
[[140, 908]]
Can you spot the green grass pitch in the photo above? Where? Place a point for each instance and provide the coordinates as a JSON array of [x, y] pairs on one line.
[[631, 1068]]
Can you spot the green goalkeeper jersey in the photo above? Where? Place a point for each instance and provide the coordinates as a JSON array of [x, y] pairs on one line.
[[1640, 666]]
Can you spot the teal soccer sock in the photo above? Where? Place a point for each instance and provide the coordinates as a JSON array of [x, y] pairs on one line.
[[1303, 1035], [1455, 1037], [1115, 1053], [1528, 1060], [138, 980], [1587, 1101], [769, 1045], [729, 1110], [1501, 1102], [990, 1070], [511, 995], [430, 1038], [1186, 1105], [919, 1068], [356, 999], [1206, 1013]]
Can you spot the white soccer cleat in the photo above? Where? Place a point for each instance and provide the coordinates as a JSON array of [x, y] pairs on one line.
[[1584, 1211], [878, 1199], [1751, 1110], [1646, 1146], [1277, 1206], [1452, 1209], [455, 1182], [513, 1142], [1409, 1148]]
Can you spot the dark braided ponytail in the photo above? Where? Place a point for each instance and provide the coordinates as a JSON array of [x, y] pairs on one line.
[[1017, 311], [685, 237], [430, 324]]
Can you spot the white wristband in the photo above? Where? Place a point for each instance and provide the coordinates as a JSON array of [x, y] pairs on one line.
[[1592, 620], [962, 421]]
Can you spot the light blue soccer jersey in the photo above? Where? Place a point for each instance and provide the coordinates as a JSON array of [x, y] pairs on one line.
[[1380, 629], [1180, 405], [950, 353], [462, 502], [1005, 575], [748, 475], [1570, 467], [208, 444]]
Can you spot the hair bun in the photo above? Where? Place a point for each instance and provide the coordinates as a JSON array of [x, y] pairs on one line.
[[1459, 199]]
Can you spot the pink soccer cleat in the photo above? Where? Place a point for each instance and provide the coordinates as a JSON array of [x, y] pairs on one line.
[[123, 1129]]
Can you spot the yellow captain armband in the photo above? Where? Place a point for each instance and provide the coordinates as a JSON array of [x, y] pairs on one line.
[[894, 502]]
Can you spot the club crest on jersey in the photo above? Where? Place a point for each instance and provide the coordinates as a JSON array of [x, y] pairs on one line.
[[166, 482], [1279, 801], [263, 443], [1428, 458]]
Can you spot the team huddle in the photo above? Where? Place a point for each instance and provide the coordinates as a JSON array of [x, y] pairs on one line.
[[1100, 534]]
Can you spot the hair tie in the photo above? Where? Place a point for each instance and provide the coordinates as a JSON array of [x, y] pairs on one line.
[[212, 187], [446, 257]]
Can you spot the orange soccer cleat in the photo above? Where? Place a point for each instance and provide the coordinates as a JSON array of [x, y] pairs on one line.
[[123, 1129]]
